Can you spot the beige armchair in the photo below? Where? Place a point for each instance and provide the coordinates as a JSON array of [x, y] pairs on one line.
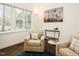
[[63, 48], [35, 45]]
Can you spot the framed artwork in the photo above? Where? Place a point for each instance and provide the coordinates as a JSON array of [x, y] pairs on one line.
[[54, 15]]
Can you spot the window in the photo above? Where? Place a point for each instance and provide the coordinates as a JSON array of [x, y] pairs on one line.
[[1, 16], [7, 18], [14, 18], [27, 20], [19, 18]]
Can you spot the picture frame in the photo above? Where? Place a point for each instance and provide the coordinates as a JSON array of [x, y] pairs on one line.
[[54, 15]]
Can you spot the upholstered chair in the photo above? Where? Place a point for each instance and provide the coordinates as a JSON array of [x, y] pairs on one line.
[[34, 42], [70, 47]]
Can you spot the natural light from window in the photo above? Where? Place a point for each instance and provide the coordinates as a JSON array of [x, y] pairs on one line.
[[14, 18]]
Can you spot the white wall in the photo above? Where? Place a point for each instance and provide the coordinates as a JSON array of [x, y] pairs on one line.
[[8, 39], [70, 22]]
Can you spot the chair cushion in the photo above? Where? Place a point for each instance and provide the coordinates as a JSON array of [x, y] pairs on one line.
[[67, 52], [34, 42]]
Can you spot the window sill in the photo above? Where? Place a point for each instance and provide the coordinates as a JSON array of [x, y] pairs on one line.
[[13, 31]]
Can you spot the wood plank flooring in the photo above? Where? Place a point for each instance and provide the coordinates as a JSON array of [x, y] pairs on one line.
[[12, 50]]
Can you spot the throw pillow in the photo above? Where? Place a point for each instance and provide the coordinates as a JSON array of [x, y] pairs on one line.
[[72, 44], [34, 35], [76, 48]]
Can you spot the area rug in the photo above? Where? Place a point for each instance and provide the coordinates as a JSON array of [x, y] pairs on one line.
[[27, 53]]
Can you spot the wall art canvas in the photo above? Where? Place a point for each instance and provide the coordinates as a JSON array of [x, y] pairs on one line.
[[54, 15]]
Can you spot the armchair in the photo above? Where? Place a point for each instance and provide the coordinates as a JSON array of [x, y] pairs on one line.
[[64, 47], [35, 45]]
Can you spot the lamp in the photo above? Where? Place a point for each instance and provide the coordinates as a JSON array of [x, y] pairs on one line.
[[39, 11], [36, 10]]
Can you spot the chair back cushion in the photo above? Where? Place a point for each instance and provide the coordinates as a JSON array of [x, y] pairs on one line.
[[74, 45], [34, 35], [76, 48]]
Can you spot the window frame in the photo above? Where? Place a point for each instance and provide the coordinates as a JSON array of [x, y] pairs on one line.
[[15, 30], [4, 16], [22, 16]]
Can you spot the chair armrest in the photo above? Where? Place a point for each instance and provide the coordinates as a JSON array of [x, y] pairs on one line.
[[25, 41], [63, 44], [42, 41], [42, 37], [25, 44], [27, 37]]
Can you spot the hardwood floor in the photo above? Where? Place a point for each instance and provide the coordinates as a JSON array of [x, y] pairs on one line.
[[11, 51]]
